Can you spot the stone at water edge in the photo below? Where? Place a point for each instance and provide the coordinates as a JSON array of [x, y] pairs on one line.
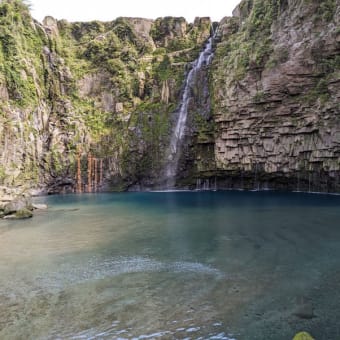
[[20, 214], [17, 204], [39, 206], [303, 336]]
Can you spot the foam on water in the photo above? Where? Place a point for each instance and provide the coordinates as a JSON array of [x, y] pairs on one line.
[[97, 270], [317, 192], [114, 332]]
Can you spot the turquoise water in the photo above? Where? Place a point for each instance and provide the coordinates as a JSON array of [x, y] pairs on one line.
[[181, 265]]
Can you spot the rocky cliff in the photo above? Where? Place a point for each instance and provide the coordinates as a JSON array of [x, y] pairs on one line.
[[90, 106], [276, 95]]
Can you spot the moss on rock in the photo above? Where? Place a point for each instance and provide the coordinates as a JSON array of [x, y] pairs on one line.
[[303, 336]]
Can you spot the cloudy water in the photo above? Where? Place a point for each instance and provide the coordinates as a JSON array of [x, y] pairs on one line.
[[173, 265]]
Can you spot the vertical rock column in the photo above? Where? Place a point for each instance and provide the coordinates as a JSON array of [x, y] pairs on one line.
[[79, 188], [89, 173], [101, 173], [95, 174]]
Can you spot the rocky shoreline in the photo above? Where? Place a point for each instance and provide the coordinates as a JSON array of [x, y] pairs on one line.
[[16, 203]]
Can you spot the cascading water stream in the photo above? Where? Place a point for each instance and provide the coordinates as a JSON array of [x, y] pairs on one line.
[[174, 150]]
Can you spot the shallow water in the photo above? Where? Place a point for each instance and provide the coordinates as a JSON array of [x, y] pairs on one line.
[[198, 265]]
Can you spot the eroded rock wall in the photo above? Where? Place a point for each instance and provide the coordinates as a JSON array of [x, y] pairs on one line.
[[39, 127], [104, 89], [276, 95]]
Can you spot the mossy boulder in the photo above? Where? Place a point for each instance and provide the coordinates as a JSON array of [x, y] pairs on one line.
[[18, 204], [21, 214], [303, 336]]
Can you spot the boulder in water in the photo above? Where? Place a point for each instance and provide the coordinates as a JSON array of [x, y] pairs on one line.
[[39, 206], [17, 204], [303, 336], [20, 214]]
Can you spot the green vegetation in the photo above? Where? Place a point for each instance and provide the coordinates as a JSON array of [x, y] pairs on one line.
[[98, 86], [327, 9], [132, 73], [259, 97], [20, 47], [318, 92], [303, 336], [250, 46], [23, 213], [106, 89], [279, 56]]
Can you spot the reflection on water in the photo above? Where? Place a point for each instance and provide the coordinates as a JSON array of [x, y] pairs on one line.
[[180, 265]]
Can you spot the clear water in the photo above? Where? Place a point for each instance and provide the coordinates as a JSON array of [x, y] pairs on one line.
[[184, 265]]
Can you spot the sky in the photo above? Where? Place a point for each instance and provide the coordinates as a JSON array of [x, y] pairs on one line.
[[107, 10]]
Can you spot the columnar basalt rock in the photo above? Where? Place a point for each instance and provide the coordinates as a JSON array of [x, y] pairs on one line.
[[276, 96]]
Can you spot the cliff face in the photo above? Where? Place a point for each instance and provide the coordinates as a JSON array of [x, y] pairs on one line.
[[276, 94], [39, 126], [86, 105], [105, 89]]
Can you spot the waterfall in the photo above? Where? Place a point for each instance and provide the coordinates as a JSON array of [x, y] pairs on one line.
[[174, 151]]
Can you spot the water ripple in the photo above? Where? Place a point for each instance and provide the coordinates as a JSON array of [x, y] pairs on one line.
[[115, 332], [68, 274]]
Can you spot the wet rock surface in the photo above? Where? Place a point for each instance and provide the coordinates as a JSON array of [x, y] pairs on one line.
[[277, 104], [304, 309]]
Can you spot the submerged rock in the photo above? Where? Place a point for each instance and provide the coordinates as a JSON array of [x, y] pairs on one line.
[[304, 310]]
